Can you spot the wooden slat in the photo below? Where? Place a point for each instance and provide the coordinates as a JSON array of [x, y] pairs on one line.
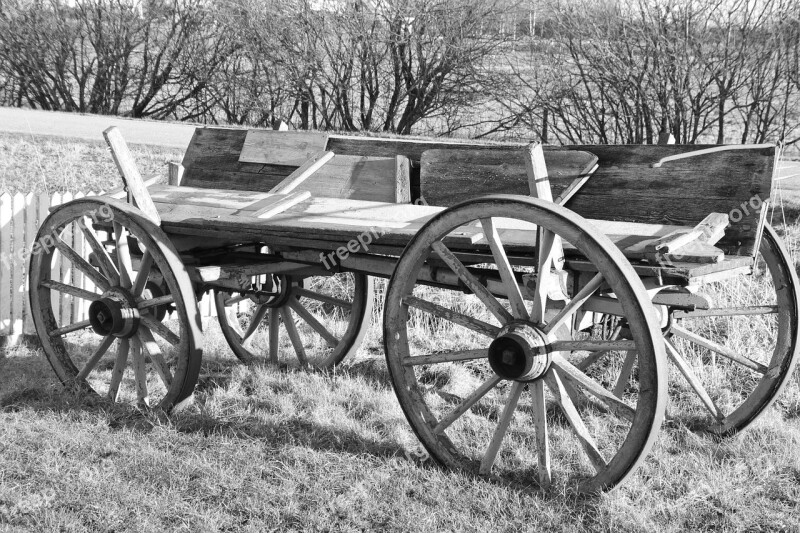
[[290, 148], [30, 236], [67, 269], [130, 173], [19, 290], [450, 176], [303, 172], [6, 237]]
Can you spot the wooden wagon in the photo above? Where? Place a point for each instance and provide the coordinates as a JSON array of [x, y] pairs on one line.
[[522, 339]]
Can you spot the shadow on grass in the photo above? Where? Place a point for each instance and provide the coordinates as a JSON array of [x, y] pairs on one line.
[[247, 418]]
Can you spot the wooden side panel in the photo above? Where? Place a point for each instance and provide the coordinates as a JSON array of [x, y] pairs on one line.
[[409, 147], [288, 148], [683, 192], [450, 176], [212, 162], [355, 177], [258, 160]]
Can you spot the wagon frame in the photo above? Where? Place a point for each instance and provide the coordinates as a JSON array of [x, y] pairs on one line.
[[542, 278]]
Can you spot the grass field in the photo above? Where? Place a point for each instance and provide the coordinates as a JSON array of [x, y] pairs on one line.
[[280, 449]]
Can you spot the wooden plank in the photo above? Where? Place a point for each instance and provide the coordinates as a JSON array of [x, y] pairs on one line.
[[174, 173], [450, 176], [130, 173], [6, 236], [80, 306], [402, 182], [303, 172], [290, 148], [279, 205], [680, 192], [55, 267], [212, 161], [67, 268], [357, 177], [30, 236], [18, 288]]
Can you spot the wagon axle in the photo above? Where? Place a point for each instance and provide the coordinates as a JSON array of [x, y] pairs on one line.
[[520, 353], [115, 313]]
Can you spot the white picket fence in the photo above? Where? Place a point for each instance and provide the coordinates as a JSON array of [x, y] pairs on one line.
[[20, 218]]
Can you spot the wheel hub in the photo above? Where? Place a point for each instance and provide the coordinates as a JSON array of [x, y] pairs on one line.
[[115, 313], [520, 353]]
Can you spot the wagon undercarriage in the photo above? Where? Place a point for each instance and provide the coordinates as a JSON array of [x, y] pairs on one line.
[[537, 309]]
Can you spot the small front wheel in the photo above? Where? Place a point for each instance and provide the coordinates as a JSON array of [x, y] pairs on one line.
[[99, 324]]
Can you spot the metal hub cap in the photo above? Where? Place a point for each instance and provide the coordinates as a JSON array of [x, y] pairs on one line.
[[114, 313], [519, 353]]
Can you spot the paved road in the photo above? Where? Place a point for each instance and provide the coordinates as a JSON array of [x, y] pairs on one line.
[[90, 127]]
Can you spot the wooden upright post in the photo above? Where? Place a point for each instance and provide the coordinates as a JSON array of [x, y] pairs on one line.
[[137, 190]]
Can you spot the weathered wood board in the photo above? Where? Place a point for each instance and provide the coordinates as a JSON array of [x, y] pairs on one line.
[[450, 176], [231, 215], [258, 160], [288, 148], [625, 187]]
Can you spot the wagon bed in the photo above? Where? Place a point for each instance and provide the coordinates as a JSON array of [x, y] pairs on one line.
[[329, 223]]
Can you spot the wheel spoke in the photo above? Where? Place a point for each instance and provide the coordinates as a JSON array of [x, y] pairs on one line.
[[309, 319], [291, 329], [139, 372], [119, 369], [156, 357], [464, 406], [98, 354], [472, 283], [694, 382], [502, 427], [625, 374], [102, 257], [573, 417], [81, 264], [730, 311], [504, 267], [160, 329], [546, 245], [144, 272], [590, 346], [448, 357], [274, 335], [542, 440], [255, 320], [457, 318], [153, 302], [575, 303], [714, 347], [573, 374], [69, 289], [124, 263], [300, 291], [83, 324]]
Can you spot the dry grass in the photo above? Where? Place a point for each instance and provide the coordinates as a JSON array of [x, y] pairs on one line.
[[276, 449], [51, 164]]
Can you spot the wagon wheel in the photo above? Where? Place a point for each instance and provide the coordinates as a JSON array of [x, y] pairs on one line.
[[324, 319], [723, 353], [97, 323], [479, 380]]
